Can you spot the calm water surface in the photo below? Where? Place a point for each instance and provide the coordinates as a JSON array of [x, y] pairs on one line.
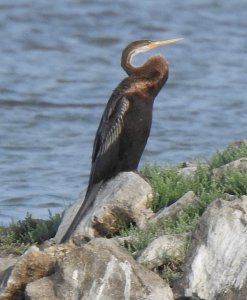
[[60, 63]]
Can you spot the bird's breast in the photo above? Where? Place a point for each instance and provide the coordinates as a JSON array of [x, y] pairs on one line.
[[136, 129], [138, 118]]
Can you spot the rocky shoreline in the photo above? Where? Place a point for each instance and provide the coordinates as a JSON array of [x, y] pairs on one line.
[[207, 262]]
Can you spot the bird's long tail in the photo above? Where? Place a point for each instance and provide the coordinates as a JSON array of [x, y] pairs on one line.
[[87, 203]]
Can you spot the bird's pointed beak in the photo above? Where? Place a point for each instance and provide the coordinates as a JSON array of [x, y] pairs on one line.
[[163, 43]]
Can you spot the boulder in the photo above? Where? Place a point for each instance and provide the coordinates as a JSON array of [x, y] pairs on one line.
[[188, 199], [32, 265], [103, 270], [123, 199], [216, 265], [171, 245]]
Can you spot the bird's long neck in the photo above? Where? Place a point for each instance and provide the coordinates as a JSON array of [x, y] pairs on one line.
[[155, 71]]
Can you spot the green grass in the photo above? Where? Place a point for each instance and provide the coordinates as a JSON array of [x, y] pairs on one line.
[[18, 236], [169, 185], [234, 183]]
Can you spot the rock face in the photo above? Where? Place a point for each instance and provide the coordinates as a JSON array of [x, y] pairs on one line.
[[216, 267], [102, 270], [119, 201]]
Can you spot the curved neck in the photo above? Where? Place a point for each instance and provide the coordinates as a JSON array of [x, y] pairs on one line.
[[126, 60], [155, 68]]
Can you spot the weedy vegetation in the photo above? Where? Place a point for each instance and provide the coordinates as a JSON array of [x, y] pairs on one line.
[[17, 237], [233, 152]]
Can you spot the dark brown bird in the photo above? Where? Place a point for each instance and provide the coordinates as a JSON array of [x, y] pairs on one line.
[[125, 125]]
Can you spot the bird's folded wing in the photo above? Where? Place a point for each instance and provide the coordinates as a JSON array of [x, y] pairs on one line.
[[110, 128]]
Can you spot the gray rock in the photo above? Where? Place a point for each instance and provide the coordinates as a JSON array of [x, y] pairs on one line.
[[216, 266], [122, 199], [164, 246], [188, 199], [239, 164], [41, 289], [102, 270]]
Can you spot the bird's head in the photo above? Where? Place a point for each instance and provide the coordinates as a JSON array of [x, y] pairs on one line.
[[140, 46]]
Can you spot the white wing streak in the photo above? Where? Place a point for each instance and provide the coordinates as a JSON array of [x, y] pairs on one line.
[[113, 132]]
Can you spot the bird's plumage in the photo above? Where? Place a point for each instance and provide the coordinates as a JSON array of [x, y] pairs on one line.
[[125, 124]]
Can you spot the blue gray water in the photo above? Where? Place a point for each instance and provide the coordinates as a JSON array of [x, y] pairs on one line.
[[59, 64]]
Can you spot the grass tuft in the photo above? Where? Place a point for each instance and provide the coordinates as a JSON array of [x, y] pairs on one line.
[[234, 183]]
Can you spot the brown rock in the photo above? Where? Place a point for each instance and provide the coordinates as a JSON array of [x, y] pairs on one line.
[[32, 265]]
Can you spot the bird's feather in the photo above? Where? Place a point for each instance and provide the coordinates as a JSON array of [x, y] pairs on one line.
[[110, 127]]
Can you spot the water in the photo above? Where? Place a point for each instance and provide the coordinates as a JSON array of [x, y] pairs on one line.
[[59, 64]]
